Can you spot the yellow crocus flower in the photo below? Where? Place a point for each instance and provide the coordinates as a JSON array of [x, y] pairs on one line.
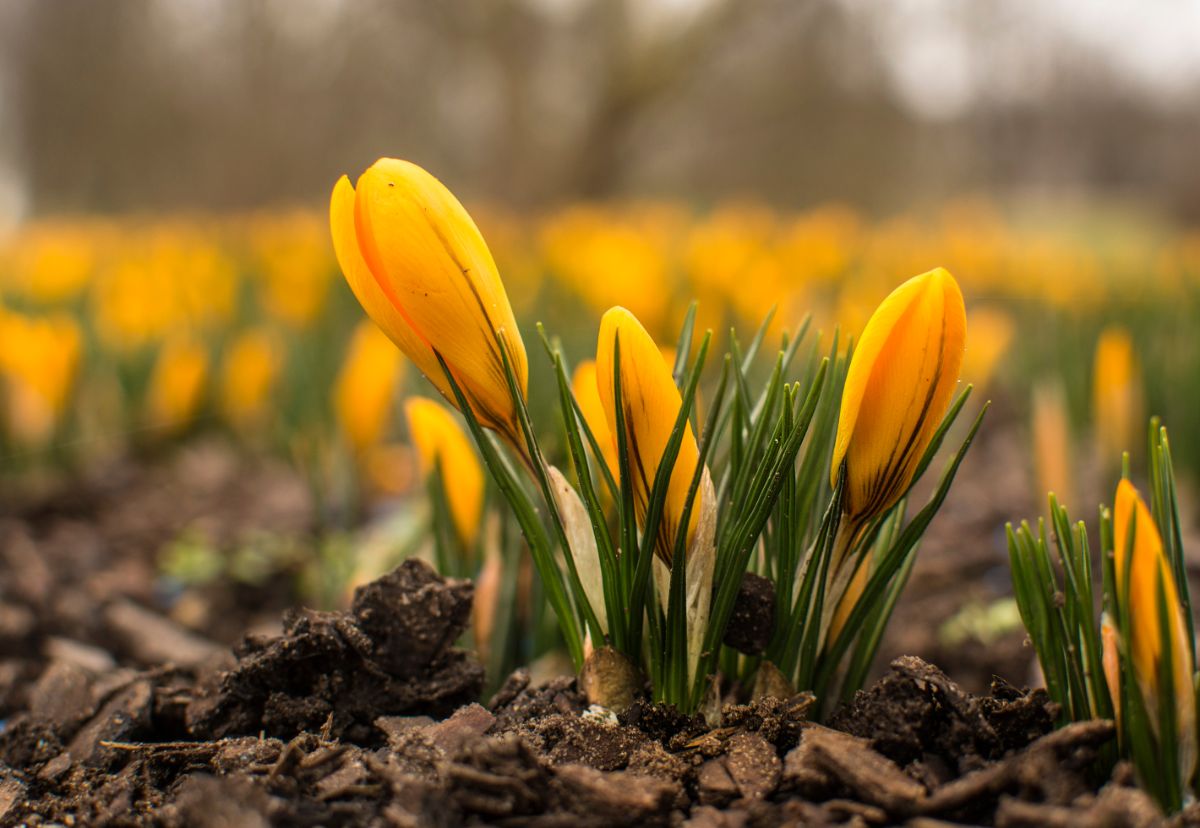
[[440, 440], [1051, 435], [650, 403], [1116, 394], [991, 333], [39, 362], [898, 387], [249, 371], [421, 269], [1139, 573], [177, 383], [366, 386], [587, 394]]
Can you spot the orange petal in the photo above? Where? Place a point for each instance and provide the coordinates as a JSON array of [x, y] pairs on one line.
[[650, 405], [901, 378]]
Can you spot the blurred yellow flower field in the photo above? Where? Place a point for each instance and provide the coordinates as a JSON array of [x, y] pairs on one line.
[[163, 308]]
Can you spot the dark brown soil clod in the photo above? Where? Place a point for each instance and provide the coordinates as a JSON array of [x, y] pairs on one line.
[[390, 654], [753, 619]]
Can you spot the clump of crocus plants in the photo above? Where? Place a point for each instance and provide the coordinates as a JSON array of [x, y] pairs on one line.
[[1134, 664], [655, 509]]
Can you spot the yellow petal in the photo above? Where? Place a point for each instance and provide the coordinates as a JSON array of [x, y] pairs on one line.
[[650, 404], [421, 269], [587, 394], [1116, 395], [430, 260], [249, 371], [898, 387], [1051, 432], [439, 439], [991, 332], [365, 388], [177, 383], [388, 316], [1139, 577]]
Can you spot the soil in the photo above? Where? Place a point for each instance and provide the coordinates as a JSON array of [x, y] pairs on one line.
[[365, 717], [121, 708]]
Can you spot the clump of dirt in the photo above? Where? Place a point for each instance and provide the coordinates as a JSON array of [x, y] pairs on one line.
[[391, 653], [917, 714]]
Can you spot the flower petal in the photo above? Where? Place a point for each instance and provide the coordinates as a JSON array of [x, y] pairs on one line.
[[899, 385], [650, 405], [440, 439], [387, 315], [429, 259]]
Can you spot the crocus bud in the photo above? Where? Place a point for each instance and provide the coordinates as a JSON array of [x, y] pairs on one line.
[[249, 372], [1141, 570], [177, 383], [365, 389], [421, 270], [440, 440], [1111, 662], [1050, 427], [898, 387], [1116, 395], [650, 403]]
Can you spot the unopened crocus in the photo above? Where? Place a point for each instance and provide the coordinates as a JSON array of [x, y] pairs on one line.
[[650, 403], [177, 383], [249, 372], [365, 389], [39, 364], [1116, 395], [898, 387], [1143, 573], [1052, 444], [441, 443], [991, 332], [421, 269]]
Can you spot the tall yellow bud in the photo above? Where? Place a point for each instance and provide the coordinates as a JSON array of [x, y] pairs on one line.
[[249, 371], [1140, 578], [1116, 395], [991, 332], [650, 403], [898, 388], [421, 269], [39, 363], [366, 387], [177, 383], [440, 440], [1051, 433]]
